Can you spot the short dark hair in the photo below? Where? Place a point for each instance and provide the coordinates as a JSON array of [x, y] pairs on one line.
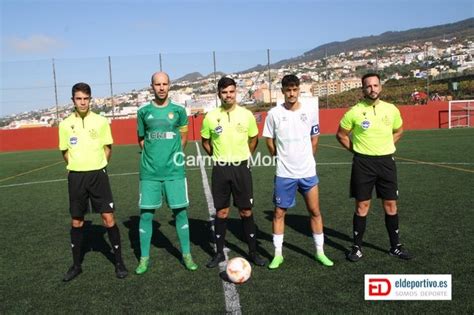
[[225, 82], [289, 80], [368, 75], [81, 87]]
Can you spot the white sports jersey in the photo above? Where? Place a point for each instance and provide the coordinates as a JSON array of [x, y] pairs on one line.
[[292, 131]]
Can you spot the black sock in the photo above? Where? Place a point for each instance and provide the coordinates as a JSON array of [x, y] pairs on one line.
[[114, 237], [250, 232], [391, 223], [220, 228], [358, 228], [77, 235]]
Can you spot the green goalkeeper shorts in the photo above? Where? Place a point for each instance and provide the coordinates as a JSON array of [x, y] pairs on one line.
[[174, 192]]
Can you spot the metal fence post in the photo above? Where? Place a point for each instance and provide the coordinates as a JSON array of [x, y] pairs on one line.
[[111, 89]]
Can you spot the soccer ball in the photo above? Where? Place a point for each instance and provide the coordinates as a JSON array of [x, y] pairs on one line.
[[238, 270]]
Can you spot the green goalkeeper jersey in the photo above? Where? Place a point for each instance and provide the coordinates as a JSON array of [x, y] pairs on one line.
[[160, 127]]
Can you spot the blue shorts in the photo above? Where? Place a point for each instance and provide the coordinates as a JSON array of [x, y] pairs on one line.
[[284, 193]]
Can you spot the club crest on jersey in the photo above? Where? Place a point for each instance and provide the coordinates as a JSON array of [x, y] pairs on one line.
[[218, 130], [170, 115], [241, 129], [386, 120], [365, 124], [93, 134], [73, 140], [303, 117]]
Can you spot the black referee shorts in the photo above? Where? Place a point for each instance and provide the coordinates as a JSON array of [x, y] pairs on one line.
[[232, 179], [90, 185], [370, 171]]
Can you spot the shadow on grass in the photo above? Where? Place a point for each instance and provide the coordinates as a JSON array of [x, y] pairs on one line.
[[234, 226], [301, 224], [158, 239], [201, 235], [96, 240]]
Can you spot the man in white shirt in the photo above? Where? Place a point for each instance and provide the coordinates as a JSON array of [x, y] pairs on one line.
[[292, 132]]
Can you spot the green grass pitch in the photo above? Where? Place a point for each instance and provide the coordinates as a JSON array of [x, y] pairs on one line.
[[436, 180]]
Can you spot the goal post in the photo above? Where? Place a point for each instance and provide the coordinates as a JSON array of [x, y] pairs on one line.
[[461, 114]]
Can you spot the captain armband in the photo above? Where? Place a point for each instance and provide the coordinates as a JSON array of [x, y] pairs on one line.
[[315, 130]]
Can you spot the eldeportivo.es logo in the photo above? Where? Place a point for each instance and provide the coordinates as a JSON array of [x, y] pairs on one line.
[[379, 287], [407, 287]]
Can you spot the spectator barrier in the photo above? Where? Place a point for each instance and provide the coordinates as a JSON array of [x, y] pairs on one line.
[[432, 116]]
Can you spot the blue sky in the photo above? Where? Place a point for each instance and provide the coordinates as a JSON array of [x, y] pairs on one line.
[[81, 34]]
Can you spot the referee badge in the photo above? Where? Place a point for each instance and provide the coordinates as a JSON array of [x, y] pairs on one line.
[[218, 130], [73, 140], [365, 124]]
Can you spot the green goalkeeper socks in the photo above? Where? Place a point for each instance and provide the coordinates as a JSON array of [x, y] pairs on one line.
[[182, 229], [145, 230]]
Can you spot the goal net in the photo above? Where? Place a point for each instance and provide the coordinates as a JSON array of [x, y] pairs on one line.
[[461, 114]]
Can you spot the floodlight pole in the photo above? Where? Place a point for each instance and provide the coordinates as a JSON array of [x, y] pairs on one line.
[[327, 77], [111, 89], [377, 60], [161, 65], [427, 76], [55, 91], [427, 87], [215, 74], [269, 77]]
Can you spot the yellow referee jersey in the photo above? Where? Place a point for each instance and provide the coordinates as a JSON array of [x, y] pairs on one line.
[[372, 126], [84, 139], [229, 133]]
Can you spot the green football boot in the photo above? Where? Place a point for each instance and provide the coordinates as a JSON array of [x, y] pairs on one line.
[[276, 262], [142, 265], [189, 263], [323, 259]]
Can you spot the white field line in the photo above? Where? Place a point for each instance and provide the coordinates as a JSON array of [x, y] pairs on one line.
[[253, 166], [232, 299], [58, 180]]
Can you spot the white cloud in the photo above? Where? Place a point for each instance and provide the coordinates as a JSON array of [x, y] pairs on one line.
[[35, 44]]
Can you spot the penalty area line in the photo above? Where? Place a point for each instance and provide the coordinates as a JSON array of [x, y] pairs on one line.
[[447, 165], [442, 165], [58, 180], [435, 164], [30, 171]]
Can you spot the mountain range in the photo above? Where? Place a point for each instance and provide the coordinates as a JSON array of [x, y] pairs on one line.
[[194, 76], [460, 30]]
